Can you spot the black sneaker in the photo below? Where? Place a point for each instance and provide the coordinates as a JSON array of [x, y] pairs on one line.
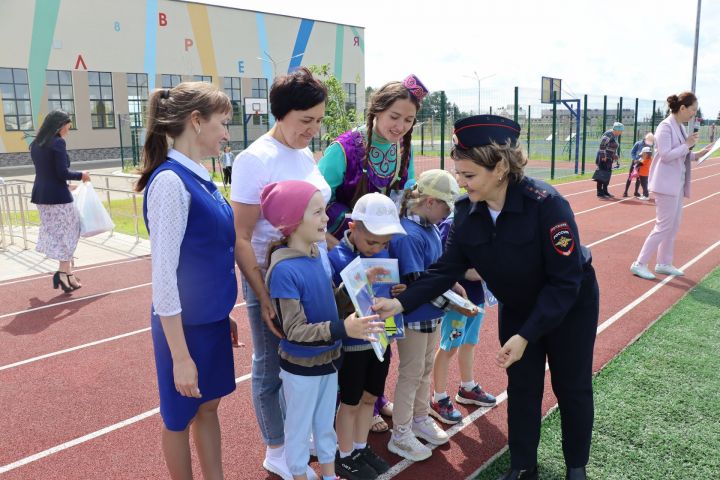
[[374, 460], [354, 467]]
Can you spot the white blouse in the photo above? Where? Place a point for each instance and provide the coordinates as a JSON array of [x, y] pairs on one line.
[[168, 205]]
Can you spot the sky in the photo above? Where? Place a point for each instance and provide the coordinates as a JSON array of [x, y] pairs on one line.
[[630, 48]]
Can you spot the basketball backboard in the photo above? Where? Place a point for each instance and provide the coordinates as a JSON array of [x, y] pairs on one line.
[[550, 85], [256, 106]]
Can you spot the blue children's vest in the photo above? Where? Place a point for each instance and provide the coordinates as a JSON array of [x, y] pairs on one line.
[[206, 270]]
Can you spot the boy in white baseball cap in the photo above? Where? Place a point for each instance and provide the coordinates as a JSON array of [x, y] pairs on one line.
[[373, 223]]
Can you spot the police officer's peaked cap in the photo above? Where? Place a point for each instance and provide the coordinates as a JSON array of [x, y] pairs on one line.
[[480, 130]]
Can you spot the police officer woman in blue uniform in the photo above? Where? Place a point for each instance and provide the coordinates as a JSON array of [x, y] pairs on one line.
[[521, 237]]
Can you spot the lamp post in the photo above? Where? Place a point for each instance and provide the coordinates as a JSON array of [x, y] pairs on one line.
[[695, 56], [275, 62], [477, 77]]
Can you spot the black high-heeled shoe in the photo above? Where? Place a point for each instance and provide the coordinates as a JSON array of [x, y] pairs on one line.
[[77, 283], [59, 282]]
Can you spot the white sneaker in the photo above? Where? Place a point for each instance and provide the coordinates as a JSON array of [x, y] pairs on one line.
[[668, 270], [642, 271], [643, 197], [278, 466], [429, 431], [404, 443]]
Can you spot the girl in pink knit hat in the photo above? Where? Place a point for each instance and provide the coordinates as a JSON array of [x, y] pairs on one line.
[[300, 285]]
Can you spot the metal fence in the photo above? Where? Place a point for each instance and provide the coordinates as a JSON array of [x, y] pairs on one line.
[[18, 216], [561, 138]]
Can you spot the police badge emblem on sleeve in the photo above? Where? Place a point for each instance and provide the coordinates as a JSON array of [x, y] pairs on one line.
[[562, 239]]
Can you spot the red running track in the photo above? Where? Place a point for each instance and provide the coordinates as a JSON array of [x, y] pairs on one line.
[[77, 379]]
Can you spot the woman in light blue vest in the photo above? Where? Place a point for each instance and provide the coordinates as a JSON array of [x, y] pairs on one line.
[[193, 271]]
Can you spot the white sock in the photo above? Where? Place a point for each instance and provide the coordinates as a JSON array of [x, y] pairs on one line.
[[467, 386], [344, 454], [359, 446], [275, 452], [437, 396]]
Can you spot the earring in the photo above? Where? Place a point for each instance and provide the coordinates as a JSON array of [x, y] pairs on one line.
[[197, 130]]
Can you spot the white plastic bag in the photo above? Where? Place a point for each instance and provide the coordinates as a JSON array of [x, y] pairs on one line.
[[94, 219]]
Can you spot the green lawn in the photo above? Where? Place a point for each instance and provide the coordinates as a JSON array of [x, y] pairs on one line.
[[657, 406]]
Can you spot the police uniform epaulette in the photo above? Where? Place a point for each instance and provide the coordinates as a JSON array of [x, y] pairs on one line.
[[538, 190]]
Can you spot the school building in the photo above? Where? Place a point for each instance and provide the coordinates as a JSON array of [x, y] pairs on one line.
[[99, 59]]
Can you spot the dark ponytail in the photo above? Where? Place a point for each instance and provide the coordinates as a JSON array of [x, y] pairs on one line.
[[156, 143]]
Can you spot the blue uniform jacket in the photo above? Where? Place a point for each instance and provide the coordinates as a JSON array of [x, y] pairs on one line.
[[52, 171]]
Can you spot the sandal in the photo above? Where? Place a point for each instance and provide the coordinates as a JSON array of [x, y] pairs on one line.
[[387, 409], [378, 425], [74, 281]]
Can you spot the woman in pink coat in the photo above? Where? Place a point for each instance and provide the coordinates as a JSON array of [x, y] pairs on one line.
[[670, 182]]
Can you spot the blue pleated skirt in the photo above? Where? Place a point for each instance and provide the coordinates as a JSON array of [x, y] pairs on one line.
[[210, 347]]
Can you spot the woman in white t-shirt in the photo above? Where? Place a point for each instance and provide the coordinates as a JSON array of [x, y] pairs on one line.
[[297, 101]]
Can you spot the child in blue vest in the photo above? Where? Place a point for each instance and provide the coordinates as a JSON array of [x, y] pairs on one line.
[[459, 333], [426, 205], [373, 222], [300, 285]]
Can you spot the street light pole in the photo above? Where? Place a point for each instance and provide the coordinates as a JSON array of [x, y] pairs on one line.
[[695, 52], [274, 63], [477, 77]]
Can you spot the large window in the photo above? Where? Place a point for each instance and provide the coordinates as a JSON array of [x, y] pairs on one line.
[[232, 89], [202, 78], [102, 108], [137, 85], [15, 93], [60, 92], [170, 81], [259, 90], [350, 96]]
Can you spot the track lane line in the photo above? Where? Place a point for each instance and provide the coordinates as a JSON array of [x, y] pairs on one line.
[[44, 276], [80, 347], [397, 468], [610, 204], [404, 464], [66, 302], [610, 237], [590, 245], [560, 185], [90, 436]]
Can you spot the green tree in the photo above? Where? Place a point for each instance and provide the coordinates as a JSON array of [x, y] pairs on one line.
[[338, 119]]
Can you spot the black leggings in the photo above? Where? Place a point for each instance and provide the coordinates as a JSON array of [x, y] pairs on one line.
[[602, 188]]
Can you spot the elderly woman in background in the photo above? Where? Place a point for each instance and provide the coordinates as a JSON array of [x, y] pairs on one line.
[[59, 220]]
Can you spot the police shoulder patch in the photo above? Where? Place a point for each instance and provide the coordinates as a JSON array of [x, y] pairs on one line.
[[562, 239]]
